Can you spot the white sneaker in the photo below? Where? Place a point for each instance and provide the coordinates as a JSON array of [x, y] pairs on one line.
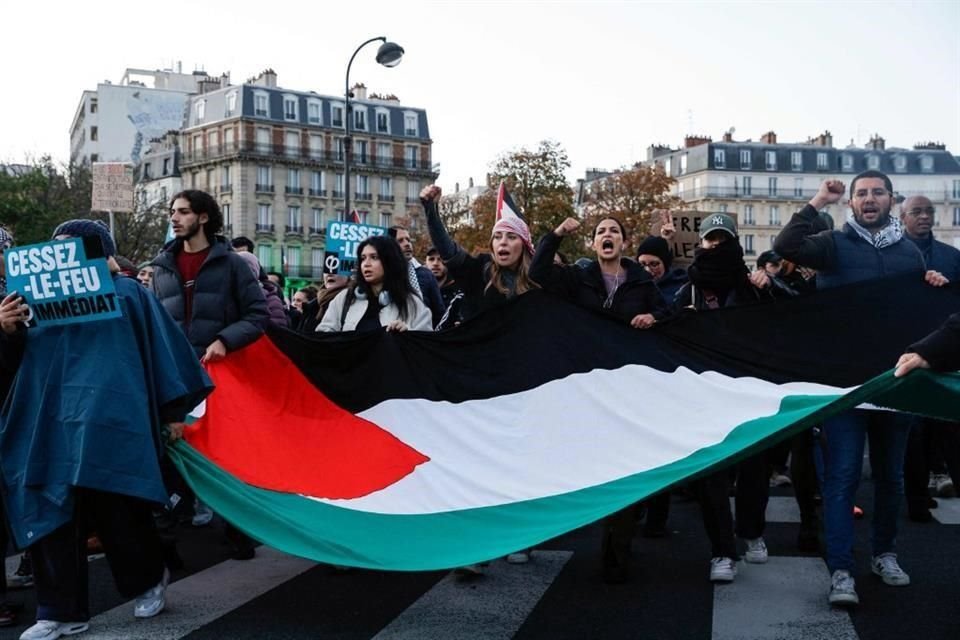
[[843, 590], [202, 514], [152, 601], [943, 486], [519, 557], [885, 565], [723, 570], [756, 551], [51, 629]]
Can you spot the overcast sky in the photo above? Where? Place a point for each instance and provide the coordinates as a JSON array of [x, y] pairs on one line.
[[604, 79]]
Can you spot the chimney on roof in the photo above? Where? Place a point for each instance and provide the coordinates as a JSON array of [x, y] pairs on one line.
[[696, 141], [876, 143], [727, 136], [930, 146], [825, 139], [470, 183], [456, 187], [267, 78], [769, 137], [359, 91]]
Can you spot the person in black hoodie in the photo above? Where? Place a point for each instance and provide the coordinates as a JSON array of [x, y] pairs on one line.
[[619, 286]]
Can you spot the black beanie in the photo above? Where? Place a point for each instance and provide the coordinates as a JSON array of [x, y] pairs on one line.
[[82, 228], [656, 246]]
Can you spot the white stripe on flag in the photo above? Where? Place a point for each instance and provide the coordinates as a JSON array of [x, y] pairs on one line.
[[201, 598], [490, 607], [508, 449], [785, 599]]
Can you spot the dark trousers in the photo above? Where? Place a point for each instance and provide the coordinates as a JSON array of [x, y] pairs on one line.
[[803, 473], [130, 542], [931, 444], [4, 541], [753, 489]]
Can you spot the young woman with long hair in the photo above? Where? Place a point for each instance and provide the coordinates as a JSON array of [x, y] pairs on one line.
[[381, 296], [487, 279]]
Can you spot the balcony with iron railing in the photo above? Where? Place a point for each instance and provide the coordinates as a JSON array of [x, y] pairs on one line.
[[762, 192], [317, 231], [293, 229], [226, 188], [319, 193], [363, 197], [264, 188], [384, 197], [293, 191], [284, 152], [264, 227], [337, 194]]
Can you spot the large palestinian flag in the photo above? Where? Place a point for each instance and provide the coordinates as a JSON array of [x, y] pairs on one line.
[[422, 451]]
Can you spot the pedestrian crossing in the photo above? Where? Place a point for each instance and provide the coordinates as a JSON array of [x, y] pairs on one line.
[[554, 596]]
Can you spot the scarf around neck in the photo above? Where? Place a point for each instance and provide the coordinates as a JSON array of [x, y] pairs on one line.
[[885, 237]]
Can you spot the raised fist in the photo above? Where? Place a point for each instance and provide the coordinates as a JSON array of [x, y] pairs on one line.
[[567, 227], [830, 192], [430, 193]]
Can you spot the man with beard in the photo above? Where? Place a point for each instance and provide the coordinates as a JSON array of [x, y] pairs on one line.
[[426, 282], [450, 291], [210, 292], [870, 245]]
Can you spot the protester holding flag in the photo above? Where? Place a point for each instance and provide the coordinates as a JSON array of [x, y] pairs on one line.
[[870, 245], [381, 297], [487, 279], [622, 287], [80, 446], [939, 351]]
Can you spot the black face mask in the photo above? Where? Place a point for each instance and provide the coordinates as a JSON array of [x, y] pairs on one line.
[[719, 268]]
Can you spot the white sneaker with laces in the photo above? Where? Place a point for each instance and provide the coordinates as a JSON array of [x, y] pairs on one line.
[[943, 486], [843, 590], [723, 569], [756, 551], [885, 565], [152, 602], [51, 630]]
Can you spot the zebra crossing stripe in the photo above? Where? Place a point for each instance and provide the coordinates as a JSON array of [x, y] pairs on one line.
[[201, 598], [947, 511], [492, 606], [784, 599]]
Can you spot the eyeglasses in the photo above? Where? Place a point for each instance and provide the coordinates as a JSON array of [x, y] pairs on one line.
[[651, 264], [876, 193], [921, 211]]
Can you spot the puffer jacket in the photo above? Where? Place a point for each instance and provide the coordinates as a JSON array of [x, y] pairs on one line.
[[228, 303]]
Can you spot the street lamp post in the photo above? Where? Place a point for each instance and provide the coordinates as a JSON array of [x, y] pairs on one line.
[[389, 55]]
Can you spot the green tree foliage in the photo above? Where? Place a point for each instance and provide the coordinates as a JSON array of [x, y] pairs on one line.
[[35, 198]]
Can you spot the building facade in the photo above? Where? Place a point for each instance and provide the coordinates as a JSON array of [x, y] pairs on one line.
[[764, 182], [116, 122], [158, 174], [274, 159]]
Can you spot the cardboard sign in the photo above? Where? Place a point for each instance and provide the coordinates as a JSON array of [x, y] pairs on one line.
[[63, 282], [687, 237], [112, 186], [340, 250]]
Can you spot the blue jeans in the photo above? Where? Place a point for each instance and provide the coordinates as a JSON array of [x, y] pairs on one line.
[[845, 435]]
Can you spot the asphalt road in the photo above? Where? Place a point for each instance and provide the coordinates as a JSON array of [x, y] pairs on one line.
[[558, 595]]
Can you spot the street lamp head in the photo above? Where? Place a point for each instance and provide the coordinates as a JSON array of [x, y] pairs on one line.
[[389, 54]]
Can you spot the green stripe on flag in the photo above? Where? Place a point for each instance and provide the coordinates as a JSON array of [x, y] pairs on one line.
[[338, 535]]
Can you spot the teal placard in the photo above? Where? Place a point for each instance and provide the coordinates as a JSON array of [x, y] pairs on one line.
[[61, 284]]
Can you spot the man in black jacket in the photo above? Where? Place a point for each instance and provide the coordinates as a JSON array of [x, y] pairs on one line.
[[204, 286], [426, 282], [210, 292]]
